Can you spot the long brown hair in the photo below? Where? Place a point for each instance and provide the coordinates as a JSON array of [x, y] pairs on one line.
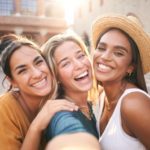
[[137, 76]]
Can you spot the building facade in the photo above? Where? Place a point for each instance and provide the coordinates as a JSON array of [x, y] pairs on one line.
[[90, 9], [36, 19]]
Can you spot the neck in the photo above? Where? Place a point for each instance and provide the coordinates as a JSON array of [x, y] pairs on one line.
[[81, 101], [113, 94], [31, 105], [112, 91], [79, 98]]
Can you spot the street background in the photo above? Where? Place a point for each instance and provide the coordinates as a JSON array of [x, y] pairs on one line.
[[39, 20]]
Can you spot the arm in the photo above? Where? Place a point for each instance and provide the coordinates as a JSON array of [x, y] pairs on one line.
[[135, 113], [75, 141], [65, 122], [39, 124]]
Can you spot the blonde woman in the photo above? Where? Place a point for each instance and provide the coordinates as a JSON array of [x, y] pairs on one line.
[[67, 57]]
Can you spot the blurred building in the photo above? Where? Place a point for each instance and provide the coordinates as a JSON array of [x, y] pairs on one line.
[[37, 19], [88, 10]]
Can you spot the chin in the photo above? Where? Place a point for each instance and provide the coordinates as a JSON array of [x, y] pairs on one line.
[[86, 88], [44, 92]]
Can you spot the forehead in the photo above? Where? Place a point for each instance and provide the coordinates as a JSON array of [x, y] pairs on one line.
[[67, 48], [24, 54], [26, 51], [115, 35], [113, 31]]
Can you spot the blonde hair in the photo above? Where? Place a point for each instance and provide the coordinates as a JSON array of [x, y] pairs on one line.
[[48, 50]]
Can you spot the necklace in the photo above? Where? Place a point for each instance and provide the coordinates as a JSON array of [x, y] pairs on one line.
[[109, 104], [85, 110]]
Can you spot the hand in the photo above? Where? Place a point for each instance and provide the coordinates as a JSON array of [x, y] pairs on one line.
[[48, 111]]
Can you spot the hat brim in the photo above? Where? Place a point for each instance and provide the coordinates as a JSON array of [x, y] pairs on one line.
[[132, 28]]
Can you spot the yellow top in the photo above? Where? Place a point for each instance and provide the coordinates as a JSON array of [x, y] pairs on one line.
[[13, 123]]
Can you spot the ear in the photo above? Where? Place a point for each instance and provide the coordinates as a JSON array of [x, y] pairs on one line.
[[12, 82], [130, 69]]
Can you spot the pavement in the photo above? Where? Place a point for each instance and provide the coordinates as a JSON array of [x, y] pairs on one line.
[[2, 89]]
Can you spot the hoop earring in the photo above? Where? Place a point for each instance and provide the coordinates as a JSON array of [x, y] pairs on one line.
[[15, 89], [129, 74]]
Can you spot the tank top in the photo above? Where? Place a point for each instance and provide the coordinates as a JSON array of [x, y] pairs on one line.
[[114, 137]]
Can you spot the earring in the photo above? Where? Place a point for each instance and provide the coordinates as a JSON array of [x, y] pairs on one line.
[[129, 74], [15, 89]]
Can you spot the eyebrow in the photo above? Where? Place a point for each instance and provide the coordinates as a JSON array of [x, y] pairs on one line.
[[62, 60], [117, 46], [121, 47], [22, 66]]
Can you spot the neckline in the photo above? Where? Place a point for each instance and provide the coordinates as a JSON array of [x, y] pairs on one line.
[[112, 116], [86, 113], [126, 92]]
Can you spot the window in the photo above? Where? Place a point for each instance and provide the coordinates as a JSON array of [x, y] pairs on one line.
[[28, 7], [6, 7]]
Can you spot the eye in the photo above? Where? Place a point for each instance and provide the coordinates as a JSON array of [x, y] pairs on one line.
[[119, 53], [39, 62], [21, 71], [100, 49], [80, 56], [64, 64]]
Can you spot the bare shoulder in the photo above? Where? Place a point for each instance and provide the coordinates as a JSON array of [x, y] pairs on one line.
[[134, 103], [135, 110]]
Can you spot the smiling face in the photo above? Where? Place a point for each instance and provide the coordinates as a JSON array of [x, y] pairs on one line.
[[30, 72], [74, 68], [113, 56]]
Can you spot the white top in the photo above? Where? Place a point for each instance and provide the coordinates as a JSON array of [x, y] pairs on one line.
[[114, 137]]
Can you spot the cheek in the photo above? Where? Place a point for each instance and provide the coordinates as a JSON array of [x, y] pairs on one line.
[[65, 74], [95, 54], [45, 68], [88, 63], [124, 62], [20, 83], [124, 66]]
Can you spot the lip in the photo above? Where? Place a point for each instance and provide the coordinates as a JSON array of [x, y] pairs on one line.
[[103, 67], [82, 75], [40, 84]]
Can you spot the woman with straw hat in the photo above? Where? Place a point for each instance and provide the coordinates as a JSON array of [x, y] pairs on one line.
[[120, 60]]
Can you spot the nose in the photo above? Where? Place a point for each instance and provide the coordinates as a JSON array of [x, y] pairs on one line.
[[36, 72], [78, 64], [106, 55]]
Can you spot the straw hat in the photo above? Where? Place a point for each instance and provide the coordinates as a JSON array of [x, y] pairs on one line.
[[128, 25]]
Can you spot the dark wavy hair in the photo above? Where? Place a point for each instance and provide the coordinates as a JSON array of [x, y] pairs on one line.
[[8, 45]]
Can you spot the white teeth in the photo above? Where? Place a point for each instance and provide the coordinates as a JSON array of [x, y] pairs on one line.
[[82, 75], [40, 84], [104, 67]]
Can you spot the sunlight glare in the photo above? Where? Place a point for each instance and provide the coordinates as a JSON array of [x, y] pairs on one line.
[[70, 7]]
